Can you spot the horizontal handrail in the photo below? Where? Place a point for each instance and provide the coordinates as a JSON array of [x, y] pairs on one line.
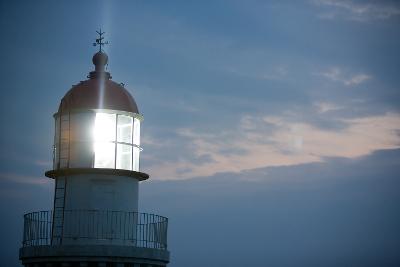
[[95, 227]]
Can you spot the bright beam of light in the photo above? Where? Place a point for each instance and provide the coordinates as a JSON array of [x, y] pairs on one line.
[[104, 135]]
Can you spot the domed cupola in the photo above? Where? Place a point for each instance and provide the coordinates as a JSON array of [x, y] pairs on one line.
[[98, 92]]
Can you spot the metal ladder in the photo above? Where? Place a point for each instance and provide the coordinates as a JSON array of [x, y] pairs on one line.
[[59, 205]]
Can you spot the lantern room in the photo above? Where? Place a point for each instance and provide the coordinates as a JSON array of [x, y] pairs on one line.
[[97, 124]]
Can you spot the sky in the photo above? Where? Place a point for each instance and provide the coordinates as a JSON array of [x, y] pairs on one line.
[[271, 129]]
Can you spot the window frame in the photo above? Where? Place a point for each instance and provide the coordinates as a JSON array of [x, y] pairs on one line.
[[135, 116]]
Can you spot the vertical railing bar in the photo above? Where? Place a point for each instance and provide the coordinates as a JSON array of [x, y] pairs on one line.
[[46, 218], [36, 227], [46, 226], [142, 220], [120, 225], [132, 229], [102, 229], [135, 230], [32, 237], [147, 228], [114, 224], [40, 227], [28, 227], [46, 214], [119, 229], [93, 227], [97, 225], [100, 225], [124, 225], [87, 224], [50, 223], [43, 227], [108, 225]]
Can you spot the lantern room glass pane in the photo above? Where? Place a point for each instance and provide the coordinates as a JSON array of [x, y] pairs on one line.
[[56, 151], [81, 125], [104, 155], [136, 152], [124, 157], [63, 163], [124, 129], [136, 132], [64, 154], [104, 127]]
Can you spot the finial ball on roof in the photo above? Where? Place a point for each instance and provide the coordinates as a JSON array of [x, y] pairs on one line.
[[100, 59]]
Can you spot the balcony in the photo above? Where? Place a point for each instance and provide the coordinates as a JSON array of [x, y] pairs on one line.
[[95, 227]]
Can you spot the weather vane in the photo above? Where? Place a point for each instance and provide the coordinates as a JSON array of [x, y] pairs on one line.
[[100, 41]]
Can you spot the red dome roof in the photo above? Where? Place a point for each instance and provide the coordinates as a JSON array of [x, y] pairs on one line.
[[99, 92]]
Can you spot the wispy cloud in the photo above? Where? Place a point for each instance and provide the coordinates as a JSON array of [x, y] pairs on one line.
[[24, 179], [356, 79], [276, 141], [358, 10], [337, 75], [44, 163], [324, 107]]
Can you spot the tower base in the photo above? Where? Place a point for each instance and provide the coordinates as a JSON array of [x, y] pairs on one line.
[[92, 256]]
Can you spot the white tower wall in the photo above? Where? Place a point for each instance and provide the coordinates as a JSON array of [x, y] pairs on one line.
[[93, 205], [101, 192]]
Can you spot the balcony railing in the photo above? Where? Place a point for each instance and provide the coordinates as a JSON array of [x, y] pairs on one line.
[[95, 227]]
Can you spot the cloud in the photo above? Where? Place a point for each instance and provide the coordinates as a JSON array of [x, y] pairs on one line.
[[263, 141], [44, 163], [336, 74], [356, 79], [24, 179], [324, 107], [341, 212], [358, 10]]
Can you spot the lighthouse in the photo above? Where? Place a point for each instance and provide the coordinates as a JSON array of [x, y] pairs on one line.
[[95, 220]]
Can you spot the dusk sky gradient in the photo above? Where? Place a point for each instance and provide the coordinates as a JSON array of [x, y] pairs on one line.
[[271, 129]]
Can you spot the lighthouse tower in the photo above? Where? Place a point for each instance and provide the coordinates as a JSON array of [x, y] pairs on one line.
[[95, 219]]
